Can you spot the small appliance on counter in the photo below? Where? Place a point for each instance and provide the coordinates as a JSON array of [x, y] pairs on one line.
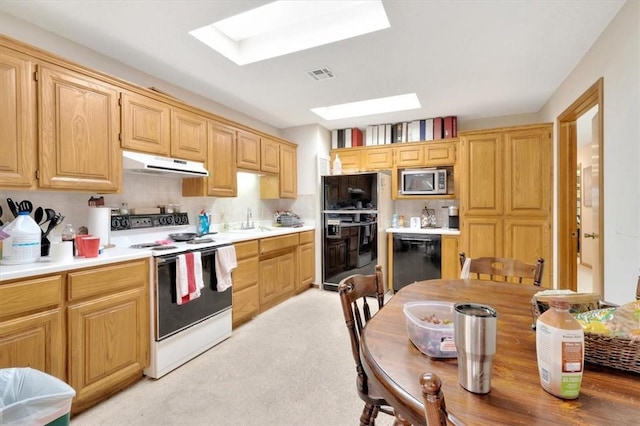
[[454, 218]]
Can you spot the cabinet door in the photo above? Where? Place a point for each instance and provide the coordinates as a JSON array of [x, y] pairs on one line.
[[248, 151], [286, 273], [483, 170], [108, 343], [18, 145], [528, 172], [350, 159], [34, 341], [188, 135], [409, 156], [246, 297], [482, 236], [268, 280], [146, 125], [79, 122], [450, 267], [288, 172], [527, 240], [307, 266], [377, 158], [221, 162], [440, 154], [269, 156]]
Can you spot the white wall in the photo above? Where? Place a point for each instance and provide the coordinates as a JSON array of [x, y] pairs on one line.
[[616, 57]]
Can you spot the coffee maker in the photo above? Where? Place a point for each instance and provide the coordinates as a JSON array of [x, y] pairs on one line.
[[454, 218]]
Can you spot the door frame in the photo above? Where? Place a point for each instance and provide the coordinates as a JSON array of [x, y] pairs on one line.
[[567, 230]]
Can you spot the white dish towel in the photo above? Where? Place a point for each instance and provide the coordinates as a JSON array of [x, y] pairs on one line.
[[188, 277], [225, 262]]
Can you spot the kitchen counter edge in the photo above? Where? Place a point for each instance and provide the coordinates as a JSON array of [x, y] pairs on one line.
[[117, 254]]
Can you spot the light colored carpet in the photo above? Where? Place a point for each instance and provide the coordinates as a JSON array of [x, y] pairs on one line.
[[291, 365]]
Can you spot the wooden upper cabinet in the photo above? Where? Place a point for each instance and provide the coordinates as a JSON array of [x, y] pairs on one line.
[[79, 125], [18, 144], [248, 151], [288, 172], [409, 155], [378, 158], [483, 169], [221, 161], [350, 158], [188, 135], [440, 154], [528, 172], [269, 156], [146, 125]]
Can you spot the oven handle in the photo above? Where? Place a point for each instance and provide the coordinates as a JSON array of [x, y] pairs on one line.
[[173, 257]]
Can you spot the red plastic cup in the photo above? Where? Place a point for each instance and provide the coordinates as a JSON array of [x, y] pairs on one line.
[[79, 243], [91, 246]]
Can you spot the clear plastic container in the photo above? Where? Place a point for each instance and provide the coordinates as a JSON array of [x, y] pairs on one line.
[[430, 327], [23, 245]]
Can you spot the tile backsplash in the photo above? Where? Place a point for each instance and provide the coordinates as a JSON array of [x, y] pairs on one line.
[[141, 190], [409, 208]]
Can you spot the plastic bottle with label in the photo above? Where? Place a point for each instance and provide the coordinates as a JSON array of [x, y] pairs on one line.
[[23, 245], [560, 350], [68, 234]]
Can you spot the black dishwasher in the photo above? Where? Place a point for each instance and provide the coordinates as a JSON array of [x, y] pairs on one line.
[[416, 257]]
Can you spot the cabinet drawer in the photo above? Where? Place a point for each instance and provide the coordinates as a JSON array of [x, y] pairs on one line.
[[246, 303], [278, 243], [306, 237], [246, 274], [30, 295], [246, 249], [108, 279]]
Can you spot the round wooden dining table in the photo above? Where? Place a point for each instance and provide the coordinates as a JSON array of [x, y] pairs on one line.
[[607, 396]]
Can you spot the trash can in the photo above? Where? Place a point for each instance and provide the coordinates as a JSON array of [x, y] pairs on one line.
[[29, 396]]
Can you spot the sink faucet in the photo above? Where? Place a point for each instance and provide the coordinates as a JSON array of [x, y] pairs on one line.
[[249, 224]]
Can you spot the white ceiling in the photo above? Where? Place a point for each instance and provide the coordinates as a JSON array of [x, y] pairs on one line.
[[473, 59]]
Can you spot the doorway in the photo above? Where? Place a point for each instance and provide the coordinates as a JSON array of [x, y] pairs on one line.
[[569, 232]]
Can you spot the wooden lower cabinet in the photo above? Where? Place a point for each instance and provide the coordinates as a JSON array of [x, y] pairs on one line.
[[32, 328], [450, 260], [277, 279], [307, 260], [246, 300]]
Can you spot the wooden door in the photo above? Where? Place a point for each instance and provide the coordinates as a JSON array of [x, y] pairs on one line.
[[351, 159], [34, 341], [79, 122], [527, 240], [379, 158], [409, 156], [483, 165], [188, 135], [248, 151], [268, 280], [482, 236], [450, 260], [286, 273], [221, 161], [440, 154], [146, 125], [307, 259], [288, 172], [528, 168], [18, 143], [107, 344], [269, 156]]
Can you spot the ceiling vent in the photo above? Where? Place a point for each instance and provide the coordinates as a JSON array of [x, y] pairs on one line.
[[321, 74]]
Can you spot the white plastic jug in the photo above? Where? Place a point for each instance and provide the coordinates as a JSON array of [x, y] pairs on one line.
[[23, 245]]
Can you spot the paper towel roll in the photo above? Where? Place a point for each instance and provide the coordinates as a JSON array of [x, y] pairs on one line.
[[100, 224]]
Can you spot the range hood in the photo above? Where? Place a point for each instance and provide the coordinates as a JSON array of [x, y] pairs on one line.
[[137, 162]]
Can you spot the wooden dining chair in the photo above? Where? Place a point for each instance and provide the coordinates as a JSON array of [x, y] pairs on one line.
[[435, 409], [502, 269], [354, 292]]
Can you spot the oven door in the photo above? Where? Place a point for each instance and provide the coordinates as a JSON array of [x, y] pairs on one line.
[[170, 317]]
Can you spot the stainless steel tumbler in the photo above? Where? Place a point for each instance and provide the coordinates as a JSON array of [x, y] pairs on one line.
[[475, 336]]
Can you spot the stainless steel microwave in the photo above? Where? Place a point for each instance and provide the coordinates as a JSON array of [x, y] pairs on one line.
[[423, 182]]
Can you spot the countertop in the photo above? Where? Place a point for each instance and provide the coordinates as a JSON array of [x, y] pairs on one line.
[[122, 254], [440, 231]]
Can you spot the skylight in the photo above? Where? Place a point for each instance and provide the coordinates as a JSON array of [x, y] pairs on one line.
[[369, 107], [283, 27]]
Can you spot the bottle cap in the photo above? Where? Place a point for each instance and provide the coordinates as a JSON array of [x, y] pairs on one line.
[[559, 302]]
